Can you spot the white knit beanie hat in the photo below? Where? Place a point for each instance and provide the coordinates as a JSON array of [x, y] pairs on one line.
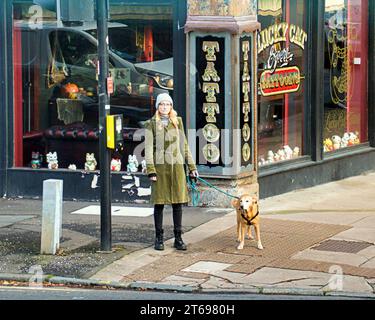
[[163, 97]]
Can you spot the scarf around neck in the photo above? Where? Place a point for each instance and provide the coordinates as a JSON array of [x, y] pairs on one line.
[[164, 120]]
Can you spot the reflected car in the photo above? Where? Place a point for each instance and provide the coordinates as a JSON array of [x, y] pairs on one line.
[[68, 54], [59, 64]]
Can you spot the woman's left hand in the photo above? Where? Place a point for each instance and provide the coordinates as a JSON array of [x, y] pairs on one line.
[[194, 174]]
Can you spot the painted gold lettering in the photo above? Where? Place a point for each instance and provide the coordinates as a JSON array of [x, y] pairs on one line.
[[292, 33], [284, 27], [246, 90], [271, 38], [298, 36], [277, 80], [211, 89], [210, 47]]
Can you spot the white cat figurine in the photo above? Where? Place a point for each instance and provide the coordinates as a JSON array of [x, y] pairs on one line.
[[115, 165], [52, 161], [90, 164], [132, 164]]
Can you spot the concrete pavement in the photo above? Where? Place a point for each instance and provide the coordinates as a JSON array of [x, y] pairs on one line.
[[317, 241]]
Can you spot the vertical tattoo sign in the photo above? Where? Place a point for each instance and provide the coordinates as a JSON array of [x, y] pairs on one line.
[[210, 95], [246, 99]]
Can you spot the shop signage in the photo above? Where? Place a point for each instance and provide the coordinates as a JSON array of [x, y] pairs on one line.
[[211, 86], [283, 80], [210, 114], [110, 85], [278, 33], [246, 98], [279, 77]]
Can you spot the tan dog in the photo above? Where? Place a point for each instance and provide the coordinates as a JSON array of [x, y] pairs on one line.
[[247, 216]]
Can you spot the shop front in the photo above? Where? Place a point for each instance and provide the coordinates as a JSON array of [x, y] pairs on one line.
[[309, 118], [315, 96], [53, 96]]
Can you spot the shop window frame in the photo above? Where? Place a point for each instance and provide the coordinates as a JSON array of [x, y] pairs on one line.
[[307, 151], [350, 150]]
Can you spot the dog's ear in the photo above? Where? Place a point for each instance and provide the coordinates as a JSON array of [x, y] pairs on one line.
[[236, 203], [255, 204]]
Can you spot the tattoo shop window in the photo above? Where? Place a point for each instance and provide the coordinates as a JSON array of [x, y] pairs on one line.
[[345, 74]]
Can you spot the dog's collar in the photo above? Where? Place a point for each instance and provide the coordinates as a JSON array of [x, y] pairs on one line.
[[249, 221]]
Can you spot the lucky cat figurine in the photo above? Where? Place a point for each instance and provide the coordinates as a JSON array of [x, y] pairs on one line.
[[90, 164], [115, 164], [132, 163], [36, 160], [52, 161]]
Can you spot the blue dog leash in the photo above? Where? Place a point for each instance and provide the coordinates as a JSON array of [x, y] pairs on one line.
[[195, 193]]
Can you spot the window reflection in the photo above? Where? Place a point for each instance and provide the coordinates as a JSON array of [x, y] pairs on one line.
[[345, 74], [282, 55], [55, 79]]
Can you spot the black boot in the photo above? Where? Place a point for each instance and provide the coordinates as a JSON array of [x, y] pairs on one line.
[[178, 243], [159, 245], [158, 220]]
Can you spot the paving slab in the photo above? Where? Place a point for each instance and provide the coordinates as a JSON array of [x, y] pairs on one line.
[[335, 218], [358, 234], [327, 197], [282, 277], [369, 264], [332, 257], [365, 222], [128, 264], [219, 283], [368, 252], [182, 281], [211, 228], [8, 220], [371, 282], [233, 277], [206, 267], [352, 284]]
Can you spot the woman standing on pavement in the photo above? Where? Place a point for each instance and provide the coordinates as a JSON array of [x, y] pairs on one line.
[[165, 154]]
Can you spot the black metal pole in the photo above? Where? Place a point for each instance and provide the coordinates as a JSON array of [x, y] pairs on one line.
[[104, 110]]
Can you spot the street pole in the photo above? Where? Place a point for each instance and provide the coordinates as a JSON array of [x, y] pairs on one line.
[[104, 110]]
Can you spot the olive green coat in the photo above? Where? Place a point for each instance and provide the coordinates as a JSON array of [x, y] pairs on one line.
[[166, 153]]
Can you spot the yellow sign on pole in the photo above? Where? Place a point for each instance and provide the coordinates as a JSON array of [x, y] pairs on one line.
[[110, 132]]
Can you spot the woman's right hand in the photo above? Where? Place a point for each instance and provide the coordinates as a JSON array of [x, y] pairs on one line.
[[152, 177]]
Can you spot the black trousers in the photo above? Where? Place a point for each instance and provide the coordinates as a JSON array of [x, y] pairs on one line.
[[177, 216]]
